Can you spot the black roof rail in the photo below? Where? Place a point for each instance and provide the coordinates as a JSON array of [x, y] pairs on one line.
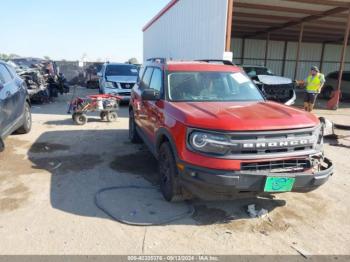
[[160, 60], [217, 61]]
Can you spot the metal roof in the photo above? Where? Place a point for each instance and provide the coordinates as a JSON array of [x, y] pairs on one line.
[[324, 20]]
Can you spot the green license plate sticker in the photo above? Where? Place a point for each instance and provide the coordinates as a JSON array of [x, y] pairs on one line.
[[279, 184]]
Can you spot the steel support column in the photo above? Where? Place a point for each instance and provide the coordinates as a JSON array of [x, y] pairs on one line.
[[284, 57], [267, 48], [298, 50], [229, 26], [342, 61], [242, 51], [322, 56]]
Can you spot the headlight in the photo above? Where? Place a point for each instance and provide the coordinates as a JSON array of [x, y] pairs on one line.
[[109, 85], [318, 135], [210, 143]]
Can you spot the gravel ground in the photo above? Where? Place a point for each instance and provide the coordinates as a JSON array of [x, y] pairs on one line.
[[48, 180]]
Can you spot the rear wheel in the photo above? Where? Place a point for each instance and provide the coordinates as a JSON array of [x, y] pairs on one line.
[[112, 116], [133, 135], [169, 184], [27, 121], [79, 118]]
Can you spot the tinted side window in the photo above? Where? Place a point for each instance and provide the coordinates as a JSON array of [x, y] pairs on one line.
[[346, 76], [333, 75], [156, 82], [147, 78], [5, 76]]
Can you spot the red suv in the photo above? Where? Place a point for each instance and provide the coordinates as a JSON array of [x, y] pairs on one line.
[[215, 135]]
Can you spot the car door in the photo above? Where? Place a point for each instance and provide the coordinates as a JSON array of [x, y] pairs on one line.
[[140, 106], [154, 109], [7, 114], [19, 91]]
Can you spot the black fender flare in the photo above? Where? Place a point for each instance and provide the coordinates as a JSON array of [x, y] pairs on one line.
[[160, 134]]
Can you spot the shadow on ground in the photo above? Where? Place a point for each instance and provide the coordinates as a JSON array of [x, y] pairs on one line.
[[84, 162]]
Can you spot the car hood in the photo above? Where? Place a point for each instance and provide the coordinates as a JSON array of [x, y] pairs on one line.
[[241, 116], [122, 79], [274, 80]]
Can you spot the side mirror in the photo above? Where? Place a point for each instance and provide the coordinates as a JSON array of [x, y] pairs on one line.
[[150, 95], [99, 74]]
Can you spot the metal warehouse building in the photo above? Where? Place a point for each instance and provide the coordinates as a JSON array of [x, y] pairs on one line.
[[286, 35]]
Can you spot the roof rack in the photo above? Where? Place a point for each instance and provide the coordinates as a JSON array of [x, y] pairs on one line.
[[216, 61], [159, 60]]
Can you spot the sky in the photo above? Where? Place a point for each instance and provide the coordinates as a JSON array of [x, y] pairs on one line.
[[72, 29]]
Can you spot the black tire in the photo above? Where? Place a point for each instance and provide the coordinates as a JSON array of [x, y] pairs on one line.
[[27, 121], [103, 115], [2, 145], [327, 92], [133, 135], [112, 116], [79, 118], [169, 184]]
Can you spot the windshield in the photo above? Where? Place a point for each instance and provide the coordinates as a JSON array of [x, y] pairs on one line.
[[121, 70], [211, 86], [255, 71]]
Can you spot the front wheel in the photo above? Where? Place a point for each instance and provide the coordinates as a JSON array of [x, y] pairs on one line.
[[27, 121], [169, 185], [79, 118], [112, 116]]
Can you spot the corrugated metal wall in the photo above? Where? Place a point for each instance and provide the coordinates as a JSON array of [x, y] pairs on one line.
[[310, 54], [193, 29]]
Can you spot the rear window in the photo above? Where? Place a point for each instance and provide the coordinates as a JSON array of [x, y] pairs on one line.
[[335, 75], [211, 86], [121, 70], [255, 71]]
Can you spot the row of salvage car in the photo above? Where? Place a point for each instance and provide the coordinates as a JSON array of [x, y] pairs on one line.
[[42, 78]]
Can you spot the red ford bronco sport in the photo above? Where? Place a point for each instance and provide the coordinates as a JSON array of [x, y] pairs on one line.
[[215, 135]]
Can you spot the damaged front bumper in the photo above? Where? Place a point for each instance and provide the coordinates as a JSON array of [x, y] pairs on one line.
[[206, 183]]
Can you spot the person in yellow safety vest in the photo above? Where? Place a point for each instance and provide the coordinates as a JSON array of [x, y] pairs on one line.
[[313, 86]]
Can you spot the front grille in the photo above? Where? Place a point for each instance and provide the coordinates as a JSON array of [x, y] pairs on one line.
[[124, 93], [126, 85], [273, 142], [281, 166], [281, 93]]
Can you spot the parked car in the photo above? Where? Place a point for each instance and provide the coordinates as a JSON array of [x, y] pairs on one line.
[[275, 88], [332, 83], [15, 113], [118, 79], [215, 135]]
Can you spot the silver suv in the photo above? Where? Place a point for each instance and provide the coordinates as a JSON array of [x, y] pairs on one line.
[[118, 79]]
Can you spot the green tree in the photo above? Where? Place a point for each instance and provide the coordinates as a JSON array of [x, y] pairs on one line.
[[133, 61]]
